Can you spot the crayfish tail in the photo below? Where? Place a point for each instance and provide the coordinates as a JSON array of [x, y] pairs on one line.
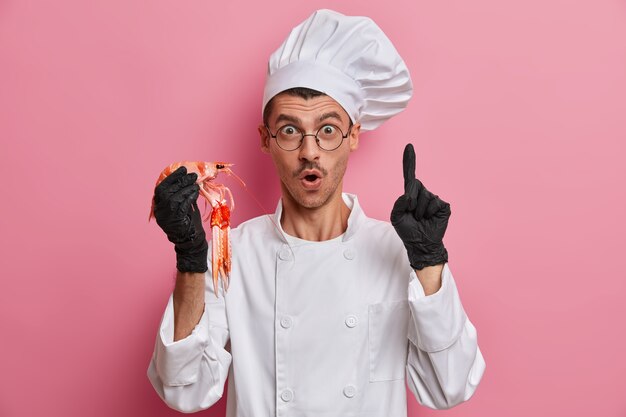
[[215, 256], [221, 251]]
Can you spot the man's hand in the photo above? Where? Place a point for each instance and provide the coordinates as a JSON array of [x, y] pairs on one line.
[[420, 218], [176, 212]]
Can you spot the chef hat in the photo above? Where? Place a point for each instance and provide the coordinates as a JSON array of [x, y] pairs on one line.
[[350, 59]]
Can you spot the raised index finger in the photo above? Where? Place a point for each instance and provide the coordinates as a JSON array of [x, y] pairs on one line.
[[408, 166]]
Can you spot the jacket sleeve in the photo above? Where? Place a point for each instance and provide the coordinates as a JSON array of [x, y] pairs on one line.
[[444, 364], [189, 374]]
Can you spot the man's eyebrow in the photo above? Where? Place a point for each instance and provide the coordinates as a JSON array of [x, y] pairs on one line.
[[333, 114], [288, 118], [293, 119]]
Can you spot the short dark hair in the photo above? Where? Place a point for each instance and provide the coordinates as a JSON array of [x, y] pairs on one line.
[[303, 92]]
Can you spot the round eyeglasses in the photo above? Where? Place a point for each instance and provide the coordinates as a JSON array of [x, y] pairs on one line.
[[328, 137]]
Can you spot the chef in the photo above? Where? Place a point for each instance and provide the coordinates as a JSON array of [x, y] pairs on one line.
[[327, 312]]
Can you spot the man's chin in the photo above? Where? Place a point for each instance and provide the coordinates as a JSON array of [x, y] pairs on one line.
[[310, 199], [310, 203]]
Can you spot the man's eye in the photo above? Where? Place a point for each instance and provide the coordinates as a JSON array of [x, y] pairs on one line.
[[288, 130], [328, 129]]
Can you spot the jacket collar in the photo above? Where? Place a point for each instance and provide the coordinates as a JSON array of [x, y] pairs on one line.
[[355, 219]]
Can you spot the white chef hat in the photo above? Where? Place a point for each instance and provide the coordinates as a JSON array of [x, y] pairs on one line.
[[350, 59]]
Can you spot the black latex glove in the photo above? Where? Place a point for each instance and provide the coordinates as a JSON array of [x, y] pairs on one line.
[[176, 212], [420, 218]]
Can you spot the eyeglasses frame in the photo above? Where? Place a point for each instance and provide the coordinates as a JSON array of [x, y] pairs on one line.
[[317, 141]]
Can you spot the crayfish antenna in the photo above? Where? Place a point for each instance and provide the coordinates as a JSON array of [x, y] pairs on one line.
[[207, 211], [231, 173], [230, 197]]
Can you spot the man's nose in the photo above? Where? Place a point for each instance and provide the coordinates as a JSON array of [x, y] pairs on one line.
[[309, 149]]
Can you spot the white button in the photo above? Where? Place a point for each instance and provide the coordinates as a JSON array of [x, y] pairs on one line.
[[351, 321], [286, 395], [349, 391], [348, 254], [286, 322], [284, 254]]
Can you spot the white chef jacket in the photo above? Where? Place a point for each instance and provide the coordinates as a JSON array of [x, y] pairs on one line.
[[330, 328]]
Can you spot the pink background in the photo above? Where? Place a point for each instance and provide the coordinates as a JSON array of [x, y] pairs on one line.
[[517, 119]]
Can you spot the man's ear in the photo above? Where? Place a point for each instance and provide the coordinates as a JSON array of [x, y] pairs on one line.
[[265, 138], [354, 136]]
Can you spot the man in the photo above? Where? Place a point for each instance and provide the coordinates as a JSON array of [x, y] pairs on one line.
[[325, 314]]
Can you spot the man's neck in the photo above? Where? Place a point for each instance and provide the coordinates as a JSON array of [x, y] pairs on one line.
[[319, 224]]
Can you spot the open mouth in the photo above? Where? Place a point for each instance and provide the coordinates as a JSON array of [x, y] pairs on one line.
[[311, 180]]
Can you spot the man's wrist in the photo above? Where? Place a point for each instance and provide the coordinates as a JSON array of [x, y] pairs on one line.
[[430, 278], [188, 302]]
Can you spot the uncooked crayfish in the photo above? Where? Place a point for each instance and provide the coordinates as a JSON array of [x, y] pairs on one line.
[[215, 195]]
